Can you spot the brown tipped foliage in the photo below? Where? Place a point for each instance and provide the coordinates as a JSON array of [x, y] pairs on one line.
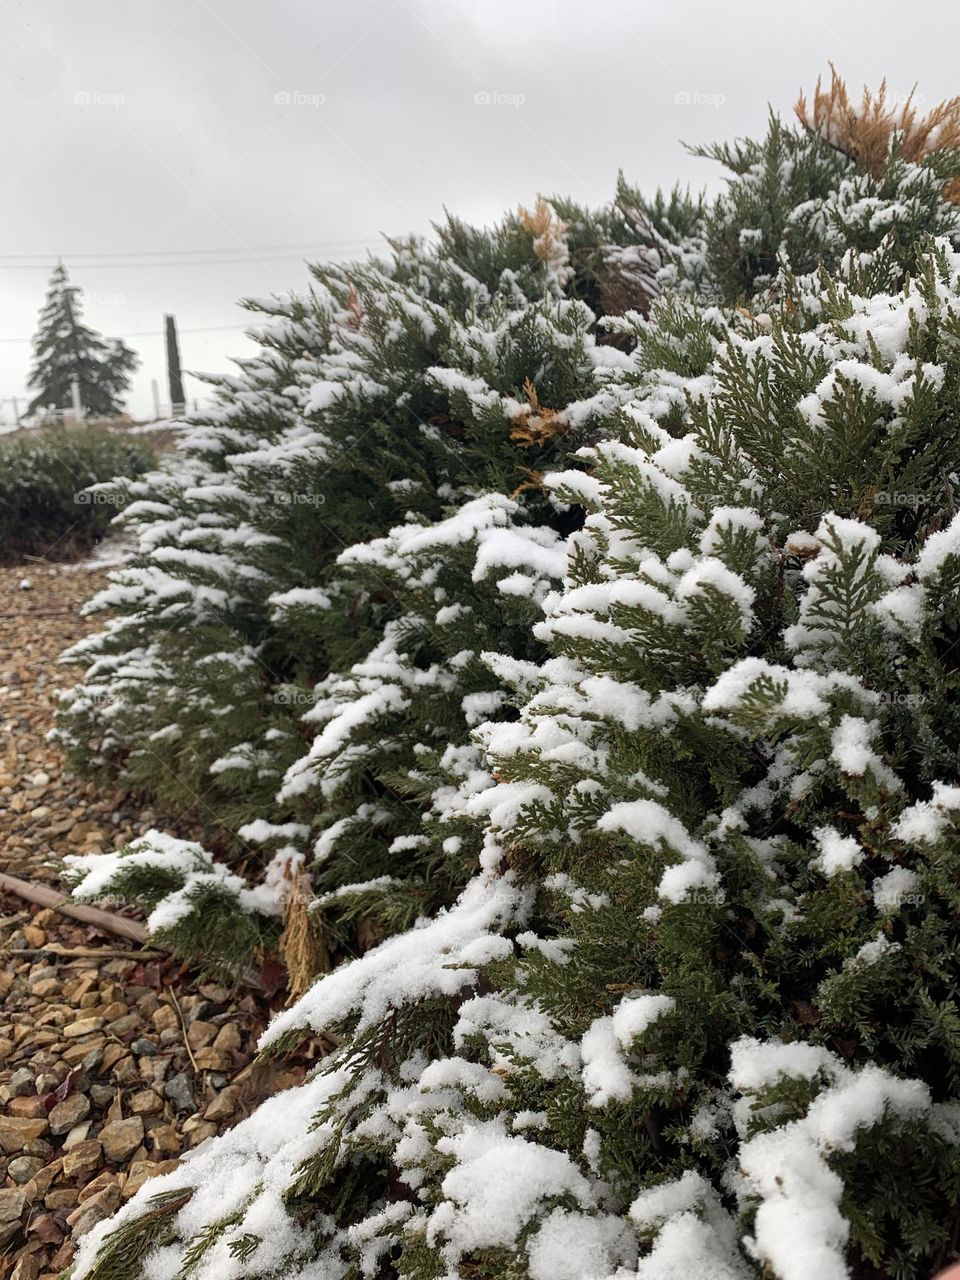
[[535, 425], [867, 132]]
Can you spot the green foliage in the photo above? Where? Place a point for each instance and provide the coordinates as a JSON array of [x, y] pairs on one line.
[[46, 506]]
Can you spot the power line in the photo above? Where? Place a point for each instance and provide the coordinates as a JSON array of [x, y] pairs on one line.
[[158, 333], [149, 266], [163, 253], [271, 253]]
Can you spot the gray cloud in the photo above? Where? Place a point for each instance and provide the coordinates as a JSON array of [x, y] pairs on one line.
[[194, 124]]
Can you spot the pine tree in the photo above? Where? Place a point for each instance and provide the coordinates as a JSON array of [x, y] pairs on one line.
[[68, 352]]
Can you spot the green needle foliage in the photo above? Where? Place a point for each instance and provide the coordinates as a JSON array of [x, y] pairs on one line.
[[624, 726]]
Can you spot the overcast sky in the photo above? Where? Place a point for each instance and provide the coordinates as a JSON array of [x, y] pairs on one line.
[[158, 131]]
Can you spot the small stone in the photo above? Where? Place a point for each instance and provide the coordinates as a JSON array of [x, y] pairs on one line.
[[144, 1103], [200, 1132], [45, 987], [112, 1055], [228, 1038], [6, 1048], [38, 1147], [125, 1072], [179, 1091], [92, 1061], [121, 1027], [114, 1010], [121, 1138], [12, 1204], [77, 1134], [83, 1027], [28, 1107], [142, 1170], [200, 1034], [101, 1095], [211, 1059], [165, 1019], [68, 1113], [82, 1158], [164, 1139], [22, 1081], [75, 1054], [62, 1198], [23, 1168], [94, 1187], [219, 995], [27, 1268], [16, 1131], [94, 1210], [144, 1046], [46, 1083], [224, 1104]]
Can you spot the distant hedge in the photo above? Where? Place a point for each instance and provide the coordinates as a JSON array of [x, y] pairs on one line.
[[44, 509]]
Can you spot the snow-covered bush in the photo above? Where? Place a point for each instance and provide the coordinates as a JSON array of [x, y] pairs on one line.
[[50, 499], [295, 651], [693, 1013]]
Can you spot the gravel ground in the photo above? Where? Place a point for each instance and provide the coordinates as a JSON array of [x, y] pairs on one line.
[[115, 1061]]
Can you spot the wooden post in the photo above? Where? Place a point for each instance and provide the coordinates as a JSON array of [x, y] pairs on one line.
[[156, 399], [77, 404], [174, 376]]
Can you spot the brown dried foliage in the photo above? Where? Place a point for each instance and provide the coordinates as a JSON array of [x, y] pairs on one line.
[[535, 424], [867, 132]]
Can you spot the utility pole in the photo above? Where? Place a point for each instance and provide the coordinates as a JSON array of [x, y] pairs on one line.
[[75, 398], [174, 376]]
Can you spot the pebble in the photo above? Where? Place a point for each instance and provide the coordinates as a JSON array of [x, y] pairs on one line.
[[83, 1027], [15, 1132], [23, 1168], [136, 1092], [121, 1138], [179, 1091], [68, 1113]]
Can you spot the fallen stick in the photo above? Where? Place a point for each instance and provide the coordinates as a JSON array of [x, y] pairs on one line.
[[57, 952], [44, 897]]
